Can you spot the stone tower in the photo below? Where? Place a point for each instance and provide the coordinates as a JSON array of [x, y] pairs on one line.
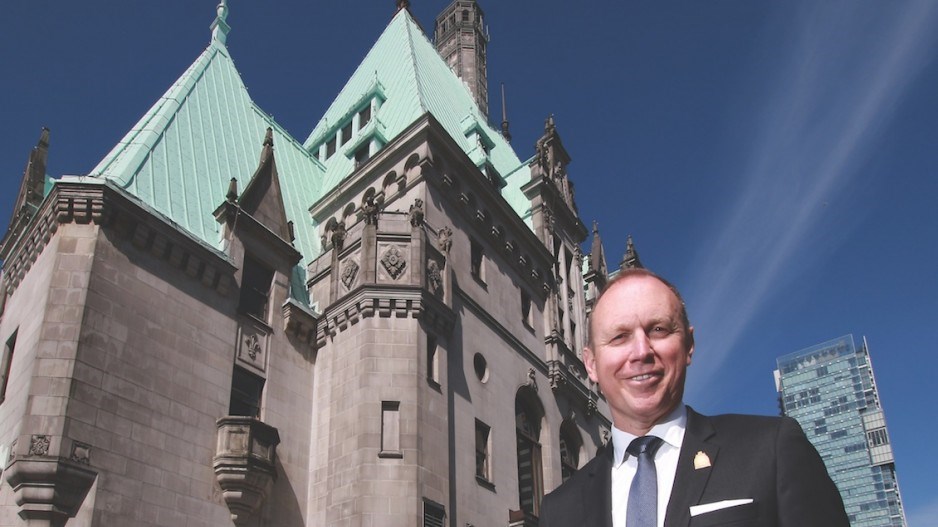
[[461, 38]]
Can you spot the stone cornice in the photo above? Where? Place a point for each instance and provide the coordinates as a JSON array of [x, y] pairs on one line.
[[100, 204], [384, 301]]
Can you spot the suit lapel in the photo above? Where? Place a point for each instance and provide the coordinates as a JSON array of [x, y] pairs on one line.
[[597, 493], [689, 482]]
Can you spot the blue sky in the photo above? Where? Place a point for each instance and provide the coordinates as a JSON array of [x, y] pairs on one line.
[[777, 160]]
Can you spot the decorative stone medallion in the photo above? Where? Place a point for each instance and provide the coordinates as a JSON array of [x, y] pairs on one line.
[[39, 445], [349, 273], [434, 276], [394, 262]]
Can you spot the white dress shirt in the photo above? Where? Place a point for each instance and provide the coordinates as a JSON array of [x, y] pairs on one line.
[[671, 430]]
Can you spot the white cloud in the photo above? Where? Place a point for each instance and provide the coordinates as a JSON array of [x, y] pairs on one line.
[[834, 93]]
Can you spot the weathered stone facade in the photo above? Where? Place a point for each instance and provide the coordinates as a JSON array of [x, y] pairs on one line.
[[436, 374]]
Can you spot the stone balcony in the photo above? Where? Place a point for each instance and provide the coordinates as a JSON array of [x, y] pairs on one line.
[[245, 464]]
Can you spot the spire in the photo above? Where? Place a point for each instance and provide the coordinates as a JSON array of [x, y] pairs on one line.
[[597, 261], [505, 133], [630, 260], [220, 27]]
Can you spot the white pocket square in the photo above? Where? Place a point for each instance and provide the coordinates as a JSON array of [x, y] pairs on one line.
[[717, 505]]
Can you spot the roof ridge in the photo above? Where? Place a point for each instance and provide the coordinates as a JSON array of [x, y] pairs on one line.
[[413, 60], [167, 107]]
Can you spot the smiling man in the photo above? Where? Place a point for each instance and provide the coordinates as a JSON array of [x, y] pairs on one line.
[[667, 465]]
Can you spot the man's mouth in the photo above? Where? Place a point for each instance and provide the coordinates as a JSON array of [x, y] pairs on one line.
[[642, 377]]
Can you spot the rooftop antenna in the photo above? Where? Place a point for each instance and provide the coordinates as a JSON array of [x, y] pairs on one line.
[[505, 131]]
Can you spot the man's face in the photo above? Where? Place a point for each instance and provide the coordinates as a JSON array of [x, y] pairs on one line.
[[639, 352]]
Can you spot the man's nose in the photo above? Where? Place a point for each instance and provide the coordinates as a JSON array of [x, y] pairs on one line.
[[642, 348]]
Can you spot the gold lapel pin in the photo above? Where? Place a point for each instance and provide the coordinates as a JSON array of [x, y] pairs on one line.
[[701, 460]]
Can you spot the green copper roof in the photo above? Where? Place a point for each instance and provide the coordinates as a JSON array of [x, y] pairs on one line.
[[406, 75], [179, 158]]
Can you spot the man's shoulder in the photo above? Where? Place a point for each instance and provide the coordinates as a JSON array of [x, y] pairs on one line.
[[743, 425], [583, 476]]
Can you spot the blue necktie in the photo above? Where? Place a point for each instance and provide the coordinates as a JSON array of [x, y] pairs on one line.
[[643, 496]]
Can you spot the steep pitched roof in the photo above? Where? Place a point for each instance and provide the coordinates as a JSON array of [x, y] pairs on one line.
[[179, 158], [406, 74]]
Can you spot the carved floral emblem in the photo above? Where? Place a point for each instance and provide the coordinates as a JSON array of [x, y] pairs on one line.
[[39, 445], [253, 345], [434, 276], [393, 262]]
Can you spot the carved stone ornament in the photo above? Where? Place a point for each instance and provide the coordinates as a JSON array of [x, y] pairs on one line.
[[253, 346], [39, 445], [338, 236], [370, 211], [434, 276], [416, 213], [349, 273], [445, 239], [81, 453], [393, 262]]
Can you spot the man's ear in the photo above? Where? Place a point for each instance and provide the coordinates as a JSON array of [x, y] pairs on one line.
[[589, 361], [690, 344]]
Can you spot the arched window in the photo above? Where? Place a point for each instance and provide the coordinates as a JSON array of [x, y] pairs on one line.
[[528, 416], [570, 444]]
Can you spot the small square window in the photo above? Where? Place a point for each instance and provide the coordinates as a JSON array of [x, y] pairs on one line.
[[477, 261]]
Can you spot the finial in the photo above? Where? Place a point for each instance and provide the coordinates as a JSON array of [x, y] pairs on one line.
[[505, 131], [269, 138], [595, 227], [220, 27], [630, 260], [232, 195], [402, 4]]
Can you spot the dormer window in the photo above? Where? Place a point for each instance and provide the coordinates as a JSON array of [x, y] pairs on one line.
[[364, 117], [361, 155], [330, 148], [346, 133]]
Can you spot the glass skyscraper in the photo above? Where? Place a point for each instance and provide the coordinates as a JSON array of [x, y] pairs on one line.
[[830, 390]]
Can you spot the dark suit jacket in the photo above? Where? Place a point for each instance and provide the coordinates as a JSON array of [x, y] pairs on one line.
[[767, 459]]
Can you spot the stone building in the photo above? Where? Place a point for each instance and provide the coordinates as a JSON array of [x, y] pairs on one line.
[[223, 325]]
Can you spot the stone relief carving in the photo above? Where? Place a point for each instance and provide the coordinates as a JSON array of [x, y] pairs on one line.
[[81, 453], [394, 262], [434, 276], [349, 273], [253, 346], [445, 239], [39, 445]]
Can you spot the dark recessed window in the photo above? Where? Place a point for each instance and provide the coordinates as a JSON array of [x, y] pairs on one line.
[[434, 515], [526, 310], [5, 364], [481, 367], [433, 361], [346, 133], [477, 260], [364, 117], [483, 460], [330, 148], [255, 288], [361, 155], [246, 389]]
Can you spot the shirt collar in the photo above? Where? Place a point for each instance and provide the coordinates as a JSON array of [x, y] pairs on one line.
[[670, 429]]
